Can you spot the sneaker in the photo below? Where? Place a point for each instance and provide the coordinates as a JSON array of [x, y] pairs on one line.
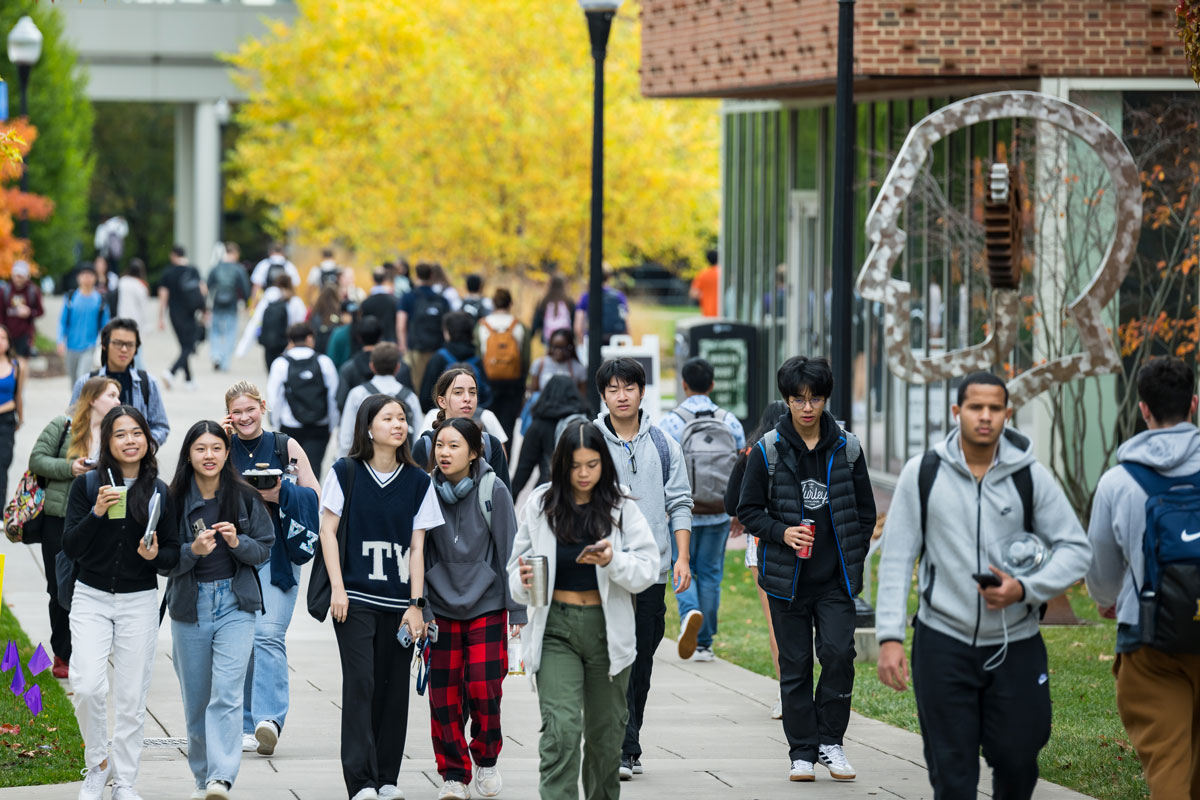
[[217, 790], [125, 793], [366, 794], [266, 736], [249, 743], [689, 629], [168, 378], [626, 770], [60, 669], [487, 781], [454, 790], [637, 766], [94, 781], [833, 757], [390, 792], [777, 709], [703, 654], [190, 386], [802, 771], [199, 793]]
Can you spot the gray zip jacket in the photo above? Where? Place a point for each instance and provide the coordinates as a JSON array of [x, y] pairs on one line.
[[1118, 522], [969, 522], [667, 509]]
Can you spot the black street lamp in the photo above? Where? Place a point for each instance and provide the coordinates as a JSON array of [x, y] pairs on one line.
[[24, 50], [600, 15]]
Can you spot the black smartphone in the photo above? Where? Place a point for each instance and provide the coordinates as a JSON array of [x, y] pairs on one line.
[[986, 579]]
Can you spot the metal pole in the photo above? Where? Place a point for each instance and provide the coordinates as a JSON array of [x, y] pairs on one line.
[[23, 71], [842, 305], [599, 25]]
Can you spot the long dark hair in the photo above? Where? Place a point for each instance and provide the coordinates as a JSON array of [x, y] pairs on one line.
[[567, 334], [471, 433], [232, 489], [767, 422], [573, 523], [560, 399], [107, 464], [363, 448]]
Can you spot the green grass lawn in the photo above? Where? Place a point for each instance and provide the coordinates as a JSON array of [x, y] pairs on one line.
[[48, 747], [1088, 749]]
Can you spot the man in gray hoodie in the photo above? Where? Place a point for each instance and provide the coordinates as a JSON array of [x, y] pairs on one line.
[[979, 664], [651, 464], [1156, 691]]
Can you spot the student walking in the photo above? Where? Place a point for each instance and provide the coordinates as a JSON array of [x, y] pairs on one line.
[[468, 595], [212, 598], [419, 322], [459, 348], [114, 608], [84, 314], [20, 306], [120, 342], [561, 359], [376, 506], [1158, 670], [554, 311], [69, 446], [504, 351], [557, 405], [979, 667], [651, 464], [456, 395], [291, 503], [12, 409], [808, 470], [182, 293], [302, 389], [600, 554], [133, 302], [228, 290]]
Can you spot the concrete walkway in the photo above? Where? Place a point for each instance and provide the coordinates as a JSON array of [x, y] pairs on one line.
[[707, 732]]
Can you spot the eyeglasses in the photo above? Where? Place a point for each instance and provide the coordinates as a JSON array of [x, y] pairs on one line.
[[122, 345], [812, 402]]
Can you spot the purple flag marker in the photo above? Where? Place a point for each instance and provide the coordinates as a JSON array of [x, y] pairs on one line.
[[33, 699], [39, 662], [18, 681], [11, 659]]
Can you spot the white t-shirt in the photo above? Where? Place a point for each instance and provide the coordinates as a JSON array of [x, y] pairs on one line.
[[487, 419], [258, 276], [429, 515]]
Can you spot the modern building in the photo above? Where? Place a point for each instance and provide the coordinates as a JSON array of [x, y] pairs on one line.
[[773, 63]]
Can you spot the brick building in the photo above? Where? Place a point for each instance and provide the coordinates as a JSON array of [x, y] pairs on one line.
[[773, 62]]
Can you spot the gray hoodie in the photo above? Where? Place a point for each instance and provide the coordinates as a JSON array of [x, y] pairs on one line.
[[968, 524], [1118, 521], [667, 509]]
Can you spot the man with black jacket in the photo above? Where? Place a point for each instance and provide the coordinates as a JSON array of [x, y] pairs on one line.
[[809, 468]]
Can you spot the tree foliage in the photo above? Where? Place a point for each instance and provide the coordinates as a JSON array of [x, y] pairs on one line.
[[1187, 28], [15, 204], [60, 166], [462, 130]]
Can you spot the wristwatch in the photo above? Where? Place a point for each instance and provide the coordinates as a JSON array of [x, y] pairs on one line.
[[417, 602]]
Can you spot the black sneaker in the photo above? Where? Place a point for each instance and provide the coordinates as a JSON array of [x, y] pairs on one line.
[[626, 768], [637, 766]]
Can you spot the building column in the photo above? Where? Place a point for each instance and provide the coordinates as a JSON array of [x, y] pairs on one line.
[[206, 184], [185, 159]]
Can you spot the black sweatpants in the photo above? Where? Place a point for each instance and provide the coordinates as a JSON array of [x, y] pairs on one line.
[[962, 707], [375, 686], [8, 434], [507, 399], [187, 331], [810, 721], [60, 618], [313, 440], [650, 621]]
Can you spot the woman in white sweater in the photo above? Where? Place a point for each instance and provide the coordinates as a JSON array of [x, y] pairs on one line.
[[579, 648]]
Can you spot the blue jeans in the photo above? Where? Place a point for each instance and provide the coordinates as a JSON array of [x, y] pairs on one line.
[[267, 679], [224, 337], [211, 657], [707, 553]]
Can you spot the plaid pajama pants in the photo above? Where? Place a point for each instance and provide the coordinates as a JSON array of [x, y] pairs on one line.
[[470, 655]]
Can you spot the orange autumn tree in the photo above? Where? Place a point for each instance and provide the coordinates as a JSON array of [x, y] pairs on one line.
[[17, 137]]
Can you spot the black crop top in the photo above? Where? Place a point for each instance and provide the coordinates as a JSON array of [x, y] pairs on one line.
[[570, 575]]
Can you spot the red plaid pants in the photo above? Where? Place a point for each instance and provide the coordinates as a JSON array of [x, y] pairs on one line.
[[470, 655]]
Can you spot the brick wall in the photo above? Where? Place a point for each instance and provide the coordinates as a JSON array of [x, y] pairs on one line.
[[768, 47]]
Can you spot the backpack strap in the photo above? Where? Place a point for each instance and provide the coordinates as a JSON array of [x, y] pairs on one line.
[[281, 449], [930, 463], [683, 414], [664, 452], [485, 494], [62, 438], [1023, 478], [445, 353], [1151, 480], [770, 453], [853, 447], [487, 448], [145, 379], [371, 387]]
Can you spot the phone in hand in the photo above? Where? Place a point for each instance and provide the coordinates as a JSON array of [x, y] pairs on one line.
[[591, 549], [89, 462], [198, 526], [986, 580]]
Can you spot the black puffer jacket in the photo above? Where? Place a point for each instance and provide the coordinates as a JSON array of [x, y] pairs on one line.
[[559, 400], [845, 517]]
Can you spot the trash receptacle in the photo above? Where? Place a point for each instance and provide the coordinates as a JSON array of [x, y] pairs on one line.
[[731, 348]]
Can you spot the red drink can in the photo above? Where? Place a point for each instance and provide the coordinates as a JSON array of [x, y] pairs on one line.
[[805, 550]]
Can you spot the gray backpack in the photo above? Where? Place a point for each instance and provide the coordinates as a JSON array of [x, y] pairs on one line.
[[566, 422], [709, 451]]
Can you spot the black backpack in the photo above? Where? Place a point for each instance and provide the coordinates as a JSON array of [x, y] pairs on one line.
[[475, 308], [330, 276], [425, 327], [274, 270], [305, 390], [273, 334], [190, 296]]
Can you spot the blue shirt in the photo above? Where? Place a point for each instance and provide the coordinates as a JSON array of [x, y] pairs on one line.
[[672, 425], [82, 317]]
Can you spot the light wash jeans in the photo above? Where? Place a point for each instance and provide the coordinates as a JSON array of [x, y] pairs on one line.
[[267, 679], [707, 553], [79, 362], [224, 337], [124, 626], [211, 657]]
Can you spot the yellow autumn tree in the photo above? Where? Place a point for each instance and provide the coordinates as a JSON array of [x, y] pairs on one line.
[[461, 131]]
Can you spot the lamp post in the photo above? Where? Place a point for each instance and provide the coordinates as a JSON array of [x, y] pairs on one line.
[[599, 15], [24, 50], [223, 112]]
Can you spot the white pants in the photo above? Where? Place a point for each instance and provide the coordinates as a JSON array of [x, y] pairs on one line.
[[124, 626]]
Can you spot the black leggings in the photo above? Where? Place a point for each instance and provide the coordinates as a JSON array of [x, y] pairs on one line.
[[60, 620], [185, 332], [8, 432]]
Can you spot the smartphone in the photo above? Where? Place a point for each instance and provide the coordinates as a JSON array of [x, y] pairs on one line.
[[986, 580], [404, 636], [89, 462], [590, 550], [198, 527]]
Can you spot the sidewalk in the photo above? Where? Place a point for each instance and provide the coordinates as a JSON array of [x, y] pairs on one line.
[[707, 732]]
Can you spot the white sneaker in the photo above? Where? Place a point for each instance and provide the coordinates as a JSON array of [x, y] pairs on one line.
[[833, 757], [366, 794], [777, 709], [689, 629], [487, 781], [168, 378], [266, 736], [390, 792], [125, 793], [199, 793], [94, 781], [454, 790], [217, 790], [802, 771], [703, 654], [249, 743]]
